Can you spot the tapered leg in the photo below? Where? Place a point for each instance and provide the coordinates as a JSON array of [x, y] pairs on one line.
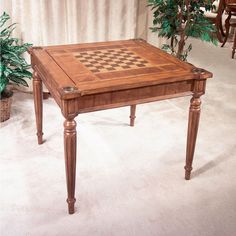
[[219, 35], [132, 114], [194, 117], [70, 161], [38, 105], [234, 46], [221, 27], [227, 27]]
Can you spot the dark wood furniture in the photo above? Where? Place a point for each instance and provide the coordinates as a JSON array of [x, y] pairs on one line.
[[216, 19], [96, 76], [231, 9]]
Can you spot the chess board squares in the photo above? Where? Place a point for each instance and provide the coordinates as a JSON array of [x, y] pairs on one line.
[[110, 60]]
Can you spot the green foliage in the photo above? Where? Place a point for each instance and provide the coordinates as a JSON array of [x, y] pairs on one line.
[[179, 19], [13, 67]]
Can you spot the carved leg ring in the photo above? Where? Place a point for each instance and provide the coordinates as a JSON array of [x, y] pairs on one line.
[[194, 117], [38, 105], [132, 114], [70, 161]]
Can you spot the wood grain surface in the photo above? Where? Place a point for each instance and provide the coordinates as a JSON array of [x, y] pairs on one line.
[[97, 76], [81, 67]]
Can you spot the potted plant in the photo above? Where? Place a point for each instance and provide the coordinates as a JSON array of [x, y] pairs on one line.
[[179, 20], [13, 67]]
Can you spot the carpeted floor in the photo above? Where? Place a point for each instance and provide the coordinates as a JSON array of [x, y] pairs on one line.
[[130, 181]]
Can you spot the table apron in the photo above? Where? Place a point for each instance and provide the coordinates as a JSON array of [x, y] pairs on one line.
[[89, 103]]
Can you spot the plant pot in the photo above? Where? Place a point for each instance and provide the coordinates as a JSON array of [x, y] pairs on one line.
[[5, 108]]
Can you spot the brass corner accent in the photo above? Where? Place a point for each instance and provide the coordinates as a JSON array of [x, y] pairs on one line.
[[198, 71], [69, 89]]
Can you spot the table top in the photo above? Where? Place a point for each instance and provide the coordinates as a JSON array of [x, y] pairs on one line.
[[91, 68]]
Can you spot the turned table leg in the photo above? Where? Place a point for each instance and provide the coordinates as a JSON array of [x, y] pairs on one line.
[[132, 114], [38, 105], [194, 117], [70, 161]]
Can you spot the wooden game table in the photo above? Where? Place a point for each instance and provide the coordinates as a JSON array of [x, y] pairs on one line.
[[96, 76]]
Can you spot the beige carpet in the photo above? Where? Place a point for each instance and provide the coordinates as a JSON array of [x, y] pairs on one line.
[[129, 180]]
